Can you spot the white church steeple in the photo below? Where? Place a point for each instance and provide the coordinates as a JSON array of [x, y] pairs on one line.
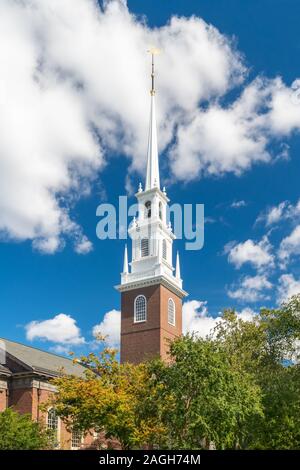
[[151, 232]]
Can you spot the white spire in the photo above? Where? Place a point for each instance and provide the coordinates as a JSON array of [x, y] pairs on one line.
[[151, 255], [177, 273], [152, 177], [125, 266]]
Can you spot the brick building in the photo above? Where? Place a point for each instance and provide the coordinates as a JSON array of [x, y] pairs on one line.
[[151, 289], [25, 375]]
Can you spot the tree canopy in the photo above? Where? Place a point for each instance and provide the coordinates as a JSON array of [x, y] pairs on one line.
[[237, 388], [19, 432]]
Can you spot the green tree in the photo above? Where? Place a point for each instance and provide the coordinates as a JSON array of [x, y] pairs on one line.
[[210, 398], [268, 348], [19, 432], [237, 388], [108, 398]]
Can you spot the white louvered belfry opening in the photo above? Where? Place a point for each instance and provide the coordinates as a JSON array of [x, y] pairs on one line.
[[144, 247], [164, 249], [171, 312], [140, 309]]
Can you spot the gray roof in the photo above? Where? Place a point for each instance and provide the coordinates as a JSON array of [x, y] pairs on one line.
[[4, 370], [41, 361]]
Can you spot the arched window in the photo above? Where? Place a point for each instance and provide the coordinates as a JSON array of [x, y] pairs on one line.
[[164, 249], [148, 209], [144, 247], [52, 419], [140, 309], [53, 425], [171, 312]]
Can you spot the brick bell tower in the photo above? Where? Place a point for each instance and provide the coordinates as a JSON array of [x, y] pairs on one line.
[[151, 292]]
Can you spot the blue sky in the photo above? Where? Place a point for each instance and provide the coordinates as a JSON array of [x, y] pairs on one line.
[[37, 285]]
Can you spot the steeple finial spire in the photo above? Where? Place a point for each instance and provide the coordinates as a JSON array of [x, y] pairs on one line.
[[153, 51], [152, 177], [125, 266], [177, 272]]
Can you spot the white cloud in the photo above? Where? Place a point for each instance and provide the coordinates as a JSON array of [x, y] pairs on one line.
[[60, 92], [210, 220], [284, 109], [250, 289], [288, 286], [257, 254], [61, 329], [196, 319], [45, 139], [289, 246], [283, 211], [247, 314], [69, 77], [275, 214], [238, 204], [83, 246], [219, 139], [293, 211], [110, 327]]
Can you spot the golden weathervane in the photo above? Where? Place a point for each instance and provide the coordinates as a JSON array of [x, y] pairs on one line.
[[153, 51]]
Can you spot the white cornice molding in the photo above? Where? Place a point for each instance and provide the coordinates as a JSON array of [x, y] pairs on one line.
[[31, 382], [142, 194], [151, 281]]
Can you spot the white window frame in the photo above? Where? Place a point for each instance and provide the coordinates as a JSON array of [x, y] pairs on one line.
[[80, 440], [58, 425], [136, 320], [171, 303]]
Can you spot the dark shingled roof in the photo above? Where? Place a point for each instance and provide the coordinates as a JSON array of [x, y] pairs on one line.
[[41, 361]]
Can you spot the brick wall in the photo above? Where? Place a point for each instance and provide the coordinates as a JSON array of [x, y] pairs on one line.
[[27, 392], [21, 400], [29, 399], [140, 341], [169, 332], [40, 396]]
